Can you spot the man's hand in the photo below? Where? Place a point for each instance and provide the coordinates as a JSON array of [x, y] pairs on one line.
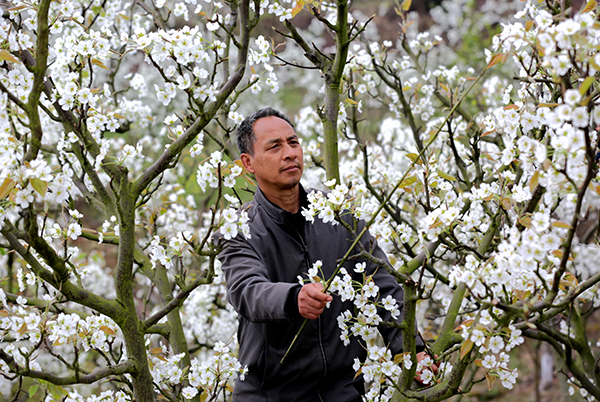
[[425, 362], [312, 300]]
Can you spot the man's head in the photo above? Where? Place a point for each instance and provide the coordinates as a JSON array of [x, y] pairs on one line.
[[246, 137], [270, 149]]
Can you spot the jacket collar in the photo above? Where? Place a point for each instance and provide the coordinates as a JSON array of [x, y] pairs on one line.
[[277, 213]]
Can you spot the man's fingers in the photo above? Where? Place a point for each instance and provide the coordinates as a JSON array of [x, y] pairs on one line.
[[312, 300], [427, 363], [315, 291]]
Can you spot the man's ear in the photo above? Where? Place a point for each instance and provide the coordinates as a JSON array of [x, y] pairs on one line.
[[247, 161]]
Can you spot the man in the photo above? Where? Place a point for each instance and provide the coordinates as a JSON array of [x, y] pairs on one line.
[[261, 274]]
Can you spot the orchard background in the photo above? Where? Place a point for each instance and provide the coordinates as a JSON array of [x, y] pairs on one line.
[[465, 137]]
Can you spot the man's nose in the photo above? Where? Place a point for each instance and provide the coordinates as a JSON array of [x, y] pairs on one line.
[[289, 152]]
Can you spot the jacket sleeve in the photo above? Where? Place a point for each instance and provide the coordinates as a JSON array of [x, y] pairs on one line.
[[388, 286], [249, 289]]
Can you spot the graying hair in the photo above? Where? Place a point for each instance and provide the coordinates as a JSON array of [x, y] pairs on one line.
[[245, 133]]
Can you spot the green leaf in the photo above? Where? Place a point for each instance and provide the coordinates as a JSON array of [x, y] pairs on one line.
[[407, 181], [6, 188], [535, 179], [465, 348], [6, 56], [32, 390], [590, 6], [57, 392], [529, 25], [563, 225], [107, 330], [507, 202], [490, 380], [298, 8], [495, 60], [464, 324], [39, 185], [99, 64], [414, 158], [525, 221], [446, 176], [586, 85], [399, 358]]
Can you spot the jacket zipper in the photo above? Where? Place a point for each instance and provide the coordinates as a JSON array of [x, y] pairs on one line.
[[322, 349], [307, 262]]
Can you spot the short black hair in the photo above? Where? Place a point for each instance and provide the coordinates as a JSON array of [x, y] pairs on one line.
[[245, 132]]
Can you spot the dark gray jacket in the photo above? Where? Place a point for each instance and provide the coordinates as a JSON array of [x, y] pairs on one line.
[[262, 285]]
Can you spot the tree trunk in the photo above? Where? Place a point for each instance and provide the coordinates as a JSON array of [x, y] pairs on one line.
[[330, 134], [143, 386]]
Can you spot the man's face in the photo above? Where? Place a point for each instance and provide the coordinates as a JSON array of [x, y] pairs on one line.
[[277, 162]]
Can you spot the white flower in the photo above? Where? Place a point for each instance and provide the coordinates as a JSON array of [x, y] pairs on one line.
[[24, 197], [540, 221], [74, 230], [407, 362], [426, 376], [477, 337], [21, 301], [236, 117], [229, 215], [568, 27], [544, 19], [489, 362], [229, 230], [85, 95], [508, 378], [184, 81], [561, 64], [189, 392], [55, 231], [547, 42], [370, 289], [572, 97], [580, 117], [496, 344], [327, 215], [360, 267]]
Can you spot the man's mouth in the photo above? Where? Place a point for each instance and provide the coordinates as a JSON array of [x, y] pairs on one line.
[[290, 168]]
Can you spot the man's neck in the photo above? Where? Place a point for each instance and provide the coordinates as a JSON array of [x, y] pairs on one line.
[[288, 200]]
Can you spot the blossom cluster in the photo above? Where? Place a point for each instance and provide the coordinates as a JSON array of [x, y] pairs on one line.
[[207, 317], [215, 167], [217, 371], [379, 370], [493, 346], [208, 376], [27, 327]]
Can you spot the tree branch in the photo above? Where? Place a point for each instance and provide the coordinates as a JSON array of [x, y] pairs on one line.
[[127, 367], [60, 278], [165, 160]]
